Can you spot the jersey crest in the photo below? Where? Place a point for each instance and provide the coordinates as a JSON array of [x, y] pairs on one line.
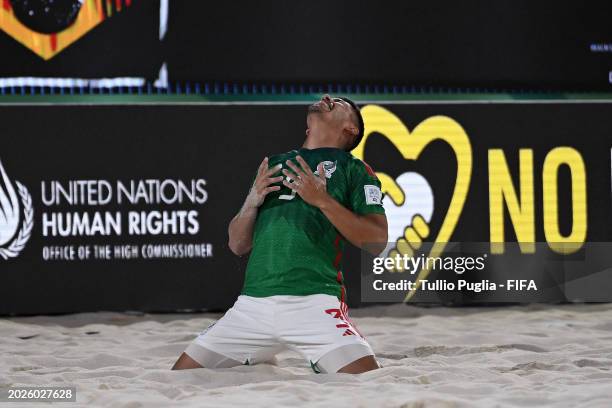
[[328, 166]]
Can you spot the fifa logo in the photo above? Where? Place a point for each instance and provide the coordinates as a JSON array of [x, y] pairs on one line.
[[16, 216]]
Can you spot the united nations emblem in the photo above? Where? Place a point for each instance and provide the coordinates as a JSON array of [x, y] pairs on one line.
[[16, 216]]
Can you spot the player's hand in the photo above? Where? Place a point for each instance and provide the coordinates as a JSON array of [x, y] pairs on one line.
[[263, 185], [311, 187]]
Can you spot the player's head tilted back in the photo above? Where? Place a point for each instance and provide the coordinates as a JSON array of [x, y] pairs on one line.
[[327, 197], [336, 121]]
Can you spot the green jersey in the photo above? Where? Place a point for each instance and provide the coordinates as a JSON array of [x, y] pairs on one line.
[[296, 249]]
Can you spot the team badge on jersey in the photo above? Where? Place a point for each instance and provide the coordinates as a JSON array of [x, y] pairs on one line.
[[329, 167], [373, 195]]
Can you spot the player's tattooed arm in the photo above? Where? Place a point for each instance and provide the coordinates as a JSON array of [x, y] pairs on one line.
[[364, 231], [241, 227]]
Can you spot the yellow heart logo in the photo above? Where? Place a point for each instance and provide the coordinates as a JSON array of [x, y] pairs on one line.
[[411, 144]]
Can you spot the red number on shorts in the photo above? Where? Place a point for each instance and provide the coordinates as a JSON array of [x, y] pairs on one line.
[[337, 314]]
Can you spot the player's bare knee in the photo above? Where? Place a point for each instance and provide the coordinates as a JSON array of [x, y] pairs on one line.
[[362, 365], [185, 362]]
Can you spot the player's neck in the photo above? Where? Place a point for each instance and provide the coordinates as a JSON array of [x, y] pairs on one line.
[[318, 138]]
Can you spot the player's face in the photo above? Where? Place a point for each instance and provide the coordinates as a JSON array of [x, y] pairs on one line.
[[331, 108], [333, 112]]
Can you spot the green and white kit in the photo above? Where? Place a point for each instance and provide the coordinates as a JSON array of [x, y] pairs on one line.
[[293, 295]]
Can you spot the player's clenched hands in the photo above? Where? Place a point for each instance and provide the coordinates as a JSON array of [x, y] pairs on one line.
[[263, 184], [311, 187]]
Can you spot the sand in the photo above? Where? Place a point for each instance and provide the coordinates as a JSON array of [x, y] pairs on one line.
[[527, 356]]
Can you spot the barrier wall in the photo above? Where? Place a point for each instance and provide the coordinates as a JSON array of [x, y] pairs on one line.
[[126, 207]]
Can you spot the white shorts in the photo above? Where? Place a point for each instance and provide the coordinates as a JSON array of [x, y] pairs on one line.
[[255, 329]]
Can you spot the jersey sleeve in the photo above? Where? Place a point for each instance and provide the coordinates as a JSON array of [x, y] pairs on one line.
[[365, 195]]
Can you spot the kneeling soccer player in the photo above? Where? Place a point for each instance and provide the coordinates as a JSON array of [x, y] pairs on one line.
[[293, 294]]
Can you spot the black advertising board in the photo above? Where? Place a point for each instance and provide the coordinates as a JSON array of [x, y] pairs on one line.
[[127, 207], [519, 45], [207, 155]]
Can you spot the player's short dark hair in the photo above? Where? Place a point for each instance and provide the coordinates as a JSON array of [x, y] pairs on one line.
[[359, 122]]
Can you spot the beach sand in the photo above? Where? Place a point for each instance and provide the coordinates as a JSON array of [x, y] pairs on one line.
[[519, 356]]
